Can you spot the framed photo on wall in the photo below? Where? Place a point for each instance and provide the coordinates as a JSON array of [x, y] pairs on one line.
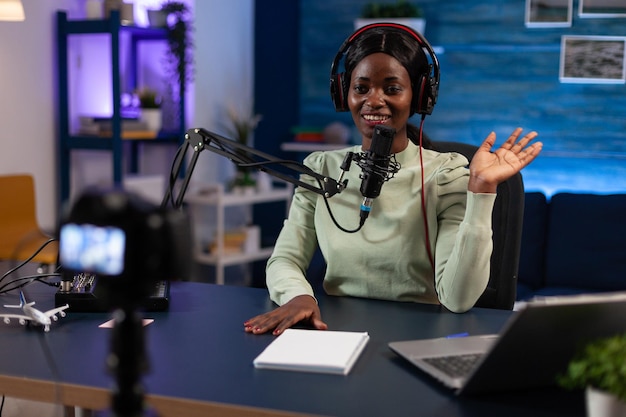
[[548, 13], [602, 8], [592, 59]]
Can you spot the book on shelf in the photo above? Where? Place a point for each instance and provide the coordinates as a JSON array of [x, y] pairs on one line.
[[131, 134], [307, 134], [102, 126], [323, 351]]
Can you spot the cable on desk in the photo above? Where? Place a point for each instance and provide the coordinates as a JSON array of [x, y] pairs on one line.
[[30, 278], [43, 245]]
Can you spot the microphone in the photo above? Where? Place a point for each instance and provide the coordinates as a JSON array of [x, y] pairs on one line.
[[375, 167]]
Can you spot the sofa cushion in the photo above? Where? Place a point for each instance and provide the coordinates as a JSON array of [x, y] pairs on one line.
[[524, 292], [531, 265], [560, 291], [586, 242]]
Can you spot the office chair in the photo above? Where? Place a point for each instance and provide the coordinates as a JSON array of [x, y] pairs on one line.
[[508, 212], [20, 235]]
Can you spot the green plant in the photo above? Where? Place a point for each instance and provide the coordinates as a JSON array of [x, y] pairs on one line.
[[148, 98], [240, 128], [600, 364], [179, 28], [401, 8]]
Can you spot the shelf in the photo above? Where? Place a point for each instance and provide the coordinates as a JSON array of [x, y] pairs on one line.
[[123, 144], [96, 26], [213, 196], [311, 146], [132, 135], [234, 259]]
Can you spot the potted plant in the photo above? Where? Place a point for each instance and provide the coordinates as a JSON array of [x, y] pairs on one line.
[[240, 128], [150, 105], [600, 369], [178, 29], [148, 98], [402, 12]]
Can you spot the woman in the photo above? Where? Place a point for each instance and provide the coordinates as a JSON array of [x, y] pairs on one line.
[[428, 237]]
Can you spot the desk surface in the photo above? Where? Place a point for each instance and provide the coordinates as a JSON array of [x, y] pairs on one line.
[[201, 361]]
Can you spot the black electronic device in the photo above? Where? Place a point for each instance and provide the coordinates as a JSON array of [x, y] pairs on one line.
[[375, 166], [130, 245], [376, 161], [83, 294]]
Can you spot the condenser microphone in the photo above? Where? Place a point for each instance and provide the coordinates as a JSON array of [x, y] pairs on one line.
[[375, 167]]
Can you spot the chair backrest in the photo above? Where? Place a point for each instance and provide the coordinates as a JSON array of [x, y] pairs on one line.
[[20, 235], [508, 212], [17, 206]]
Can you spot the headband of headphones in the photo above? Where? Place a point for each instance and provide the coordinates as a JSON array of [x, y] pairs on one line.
[[425, 89]]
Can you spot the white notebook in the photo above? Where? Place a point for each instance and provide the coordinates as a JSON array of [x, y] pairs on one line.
[[323, 351]]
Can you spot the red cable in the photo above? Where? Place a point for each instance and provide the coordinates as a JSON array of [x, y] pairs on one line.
[[423, 192]]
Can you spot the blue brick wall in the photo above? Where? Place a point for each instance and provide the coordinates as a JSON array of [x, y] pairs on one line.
[[496, 74]]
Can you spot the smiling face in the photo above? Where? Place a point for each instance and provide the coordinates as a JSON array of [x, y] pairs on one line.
[[380, 93]]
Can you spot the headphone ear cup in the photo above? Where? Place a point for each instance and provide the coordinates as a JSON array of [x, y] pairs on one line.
[[419, 96], [432, 97], [339, 92], [424, 96]]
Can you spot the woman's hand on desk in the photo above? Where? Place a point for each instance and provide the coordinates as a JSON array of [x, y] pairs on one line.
[[302, 308]]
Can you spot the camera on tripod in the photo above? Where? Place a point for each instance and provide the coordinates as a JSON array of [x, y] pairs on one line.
[[127, 242]]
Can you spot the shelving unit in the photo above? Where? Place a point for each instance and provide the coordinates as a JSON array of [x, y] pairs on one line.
[[69, 141], [311, 146], [215, 196]]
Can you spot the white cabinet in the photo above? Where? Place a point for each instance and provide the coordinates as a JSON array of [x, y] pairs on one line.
[[216, 196]]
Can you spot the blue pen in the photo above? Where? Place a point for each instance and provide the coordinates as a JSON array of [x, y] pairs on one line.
[[453, 336]]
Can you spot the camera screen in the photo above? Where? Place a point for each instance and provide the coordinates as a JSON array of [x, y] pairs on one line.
[[85, 247]]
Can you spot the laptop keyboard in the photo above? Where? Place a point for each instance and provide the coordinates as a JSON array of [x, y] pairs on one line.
[[455, 366]]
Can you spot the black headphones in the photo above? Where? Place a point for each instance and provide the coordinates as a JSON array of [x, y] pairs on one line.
[[425, 89]]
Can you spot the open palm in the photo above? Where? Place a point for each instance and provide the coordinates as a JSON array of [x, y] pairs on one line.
[[488, 169]]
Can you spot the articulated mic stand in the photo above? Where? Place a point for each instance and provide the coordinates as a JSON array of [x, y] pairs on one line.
[[200, 139]]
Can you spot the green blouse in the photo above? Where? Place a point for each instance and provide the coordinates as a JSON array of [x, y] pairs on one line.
[[387, 259]]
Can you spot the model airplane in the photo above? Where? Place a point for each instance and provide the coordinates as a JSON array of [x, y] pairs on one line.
[[32, 315]]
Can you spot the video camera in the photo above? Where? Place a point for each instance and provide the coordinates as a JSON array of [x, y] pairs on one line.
[[129, 243]]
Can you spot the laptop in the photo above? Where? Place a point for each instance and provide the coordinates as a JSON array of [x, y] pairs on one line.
[[534, 346]]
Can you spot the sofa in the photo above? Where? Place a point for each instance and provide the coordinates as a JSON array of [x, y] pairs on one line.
[[572, 244]]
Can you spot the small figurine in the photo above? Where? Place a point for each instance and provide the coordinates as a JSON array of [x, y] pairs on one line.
[[32, 315]]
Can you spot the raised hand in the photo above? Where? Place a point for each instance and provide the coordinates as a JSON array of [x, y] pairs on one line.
[[488, 169]]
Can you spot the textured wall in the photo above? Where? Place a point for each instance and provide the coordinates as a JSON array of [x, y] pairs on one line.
[[496, 75]]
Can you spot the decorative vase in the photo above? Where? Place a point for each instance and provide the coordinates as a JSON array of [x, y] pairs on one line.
[[602, 404], [152, 118], [94, 9], [416, 23], [263, 182], [157, 18]]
